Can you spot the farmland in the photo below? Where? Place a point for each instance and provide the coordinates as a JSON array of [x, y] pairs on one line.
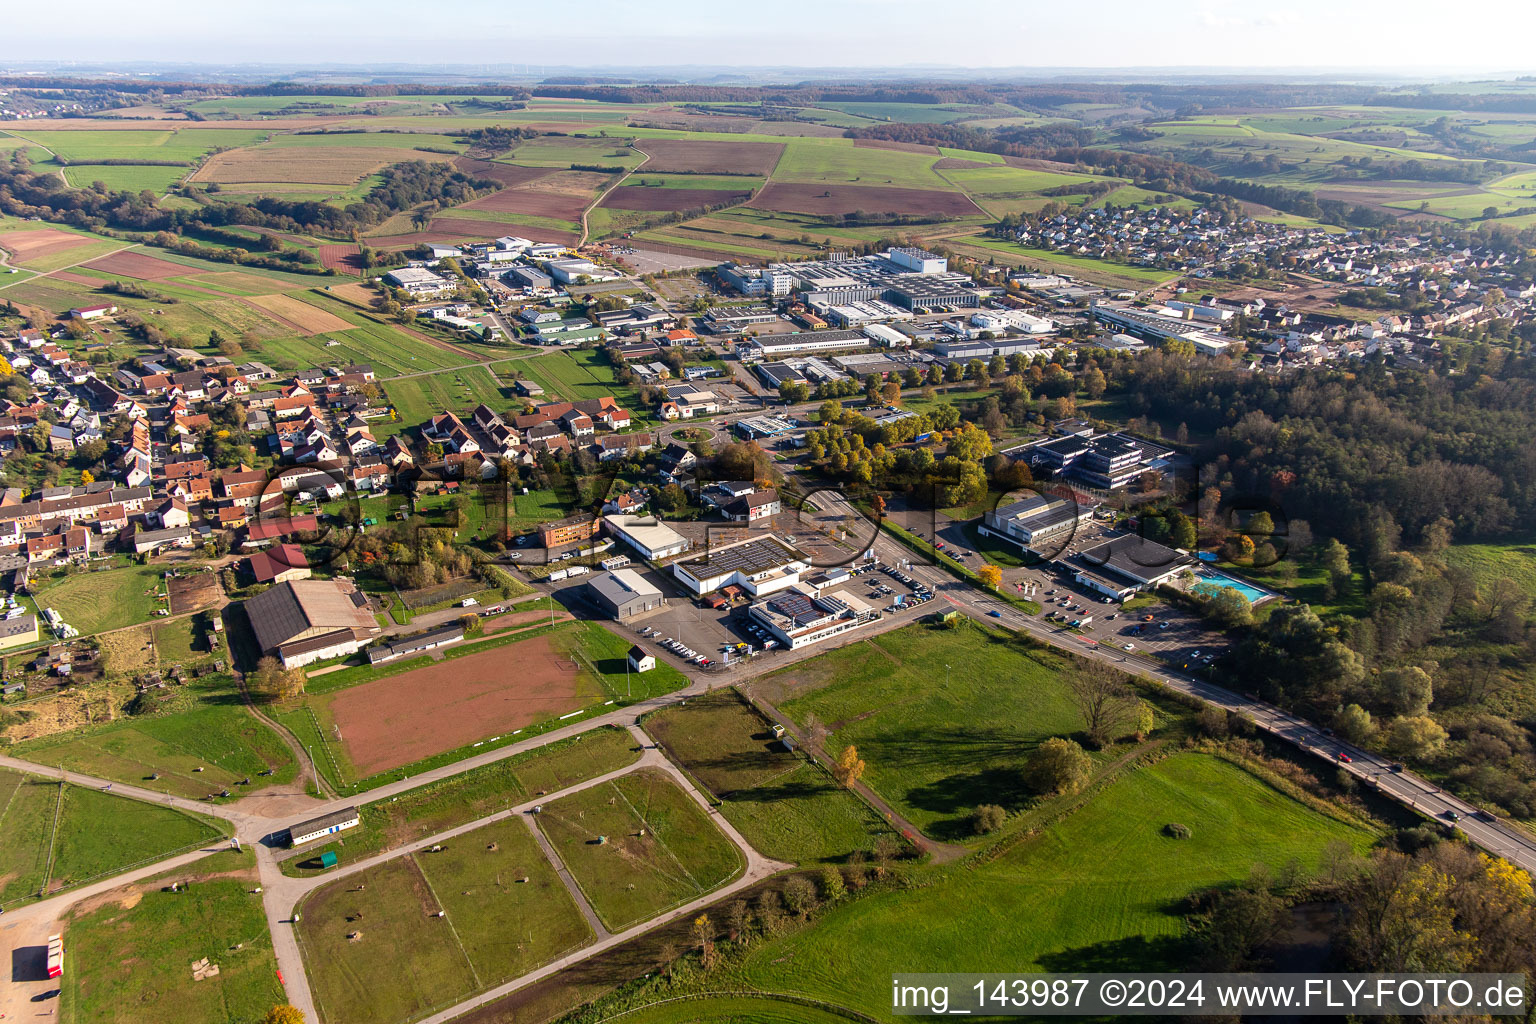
[[504, 912], [658, 848], [60, 835], [333, 165], [840, 161], [129, 956], [749, 158], [417, 399]]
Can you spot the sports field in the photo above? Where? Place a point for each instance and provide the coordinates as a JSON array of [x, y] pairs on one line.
[[377, 950], [638, 846], [445, 705]]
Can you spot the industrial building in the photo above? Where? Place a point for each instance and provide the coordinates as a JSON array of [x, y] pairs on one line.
[[801, 616], [760, 566], [756, 282], [647, 535], [419, 281], [812, 341], [1153, 326], [622, 593], [305, 621], [1036, 520]]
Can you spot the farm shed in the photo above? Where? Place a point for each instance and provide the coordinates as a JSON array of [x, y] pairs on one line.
[[325, 825], [641, 660]]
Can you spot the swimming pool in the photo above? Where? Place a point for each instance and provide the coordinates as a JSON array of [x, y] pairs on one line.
[[1212, 578]]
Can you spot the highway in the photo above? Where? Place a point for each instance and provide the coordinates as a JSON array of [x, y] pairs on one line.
[[1371, 769]]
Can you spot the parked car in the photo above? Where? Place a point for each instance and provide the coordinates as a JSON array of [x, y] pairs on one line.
[[1128, 647]]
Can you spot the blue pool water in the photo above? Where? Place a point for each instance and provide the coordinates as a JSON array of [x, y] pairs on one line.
[[1212, 578]]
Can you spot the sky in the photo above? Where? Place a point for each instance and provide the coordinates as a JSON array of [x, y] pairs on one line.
[[1406, 38]]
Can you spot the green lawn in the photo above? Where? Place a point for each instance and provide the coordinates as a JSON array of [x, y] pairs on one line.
[[474, 794], [633, 876], [97, 834], [132, 965], [787, 807], [505, 913], [944, 718], [1085, 266], [1098, 890], [215, 733], [94, 602]]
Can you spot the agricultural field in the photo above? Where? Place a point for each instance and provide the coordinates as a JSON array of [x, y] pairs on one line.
[[1100, 888], [1121, 275], [638, 846], [697, 158], [60, 835], [46, 249], [124, 178], [574, 375], [785, 806], [333, 164], [842, 162], [386, 347], [101, 600], [561, 151], [418, 399], [130, 953], [440, 806], [205, 742], [376, 950], [901, 695]]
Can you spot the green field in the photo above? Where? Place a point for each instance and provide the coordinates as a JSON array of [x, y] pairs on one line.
[[387, 348], [132, 964], [418, 399], [1087, 267], [944, 718], [562, 151], [633, 876], [440, 806], [574, 375], [124, 178], [97, 834], [1098, 890], [505, 912], [94, 602], [1487, 563], [785, 806], [215, 734], [839, 161], [988, 181], [83, 147]]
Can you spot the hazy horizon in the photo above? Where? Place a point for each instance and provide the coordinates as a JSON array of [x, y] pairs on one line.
[[1414, 38]]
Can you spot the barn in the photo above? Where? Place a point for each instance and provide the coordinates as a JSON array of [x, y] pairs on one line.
[[325, 825]]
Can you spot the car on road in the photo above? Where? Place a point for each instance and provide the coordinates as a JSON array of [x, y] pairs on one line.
[[995, 613], [1452, 816], [1345, 758], [1394, 767]]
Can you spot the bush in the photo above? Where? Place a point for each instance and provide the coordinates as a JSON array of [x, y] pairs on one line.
[[1173, 830], [1057, 766], [987, 818]]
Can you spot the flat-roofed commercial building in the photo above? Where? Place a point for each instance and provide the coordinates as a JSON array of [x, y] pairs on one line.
[[801, 616], [759, 566], [623, 593], [647, 535], [1036, 520], [1121, 567]]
